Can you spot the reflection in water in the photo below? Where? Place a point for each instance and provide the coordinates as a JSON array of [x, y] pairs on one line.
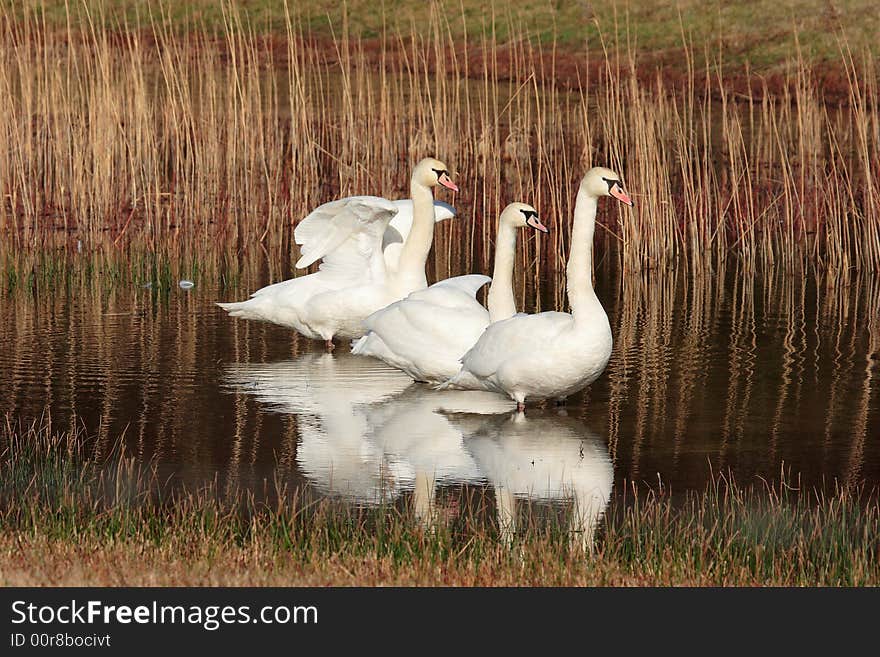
[[862, 430], [414, 429], [744, 372], [330, 395], [367, 434], [546, 458], [733, 370]]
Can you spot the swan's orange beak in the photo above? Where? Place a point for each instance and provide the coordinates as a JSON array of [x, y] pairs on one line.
[[617, 192], [535, 223], [446, 181]]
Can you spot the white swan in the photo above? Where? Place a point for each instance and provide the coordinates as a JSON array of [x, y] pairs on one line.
[[373, 250], [551, 355], [426, 334]]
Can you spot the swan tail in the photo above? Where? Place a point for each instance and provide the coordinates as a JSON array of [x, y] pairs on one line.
[[244, 309], [261, 309], [359, 346], [464, 380]]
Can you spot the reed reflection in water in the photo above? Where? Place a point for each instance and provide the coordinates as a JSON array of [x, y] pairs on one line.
[[741, 371]]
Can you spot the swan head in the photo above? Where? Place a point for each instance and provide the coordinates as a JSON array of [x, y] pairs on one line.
[[522, 215], [431, 172], [600, 181]]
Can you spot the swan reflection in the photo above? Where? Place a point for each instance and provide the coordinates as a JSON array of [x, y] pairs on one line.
[[368, 434], [330, 395], [415, 429], [544, 457]]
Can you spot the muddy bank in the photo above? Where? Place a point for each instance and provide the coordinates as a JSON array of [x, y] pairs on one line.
[[587, 69], [566, 67]]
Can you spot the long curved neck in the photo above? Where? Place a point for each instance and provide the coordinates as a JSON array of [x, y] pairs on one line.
[[579, 271], [414, 253], [501, 302]]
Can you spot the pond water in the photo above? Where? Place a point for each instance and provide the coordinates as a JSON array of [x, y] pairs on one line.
[[762, 376]]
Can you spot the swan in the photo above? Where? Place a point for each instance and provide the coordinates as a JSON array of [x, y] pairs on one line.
[[373, 250], [551, 355], [428, 332]]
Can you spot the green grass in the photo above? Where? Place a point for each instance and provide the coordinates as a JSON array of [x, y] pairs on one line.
[[760, 33], [69, 518]]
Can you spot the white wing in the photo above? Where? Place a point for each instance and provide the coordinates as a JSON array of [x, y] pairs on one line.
[[508, 339], [426, 334], [432, 318], [456, 292], [402, 222], [347, 235]]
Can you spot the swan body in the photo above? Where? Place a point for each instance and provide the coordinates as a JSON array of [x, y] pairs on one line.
[[542, 356], [551, 355], [427, 333], [372, 251]]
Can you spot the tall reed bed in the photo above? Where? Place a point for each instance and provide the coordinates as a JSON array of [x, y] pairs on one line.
[[143, 130]]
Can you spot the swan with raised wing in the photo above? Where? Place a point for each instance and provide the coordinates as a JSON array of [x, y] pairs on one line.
[[373, 252], [551, 355], [428, 332]]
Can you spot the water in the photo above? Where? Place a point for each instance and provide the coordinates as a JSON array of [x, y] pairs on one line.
[[759, 376]]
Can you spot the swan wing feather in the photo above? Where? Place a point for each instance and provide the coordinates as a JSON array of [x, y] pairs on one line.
[[507, 339], [346, 236], [400, 226]]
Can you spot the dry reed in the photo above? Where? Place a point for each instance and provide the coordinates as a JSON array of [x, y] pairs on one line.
[[115, 132]]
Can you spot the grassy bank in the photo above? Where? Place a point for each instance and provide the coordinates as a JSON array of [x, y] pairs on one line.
[[68, 518], [762, 33]]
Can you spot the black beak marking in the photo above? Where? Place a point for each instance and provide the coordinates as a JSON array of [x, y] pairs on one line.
[[611, 183], [531, 214], [440, 173]]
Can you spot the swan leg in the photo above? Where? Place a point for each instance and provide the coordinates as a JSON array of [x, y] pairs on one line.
[[329, 344], [520, 406], [560, 401]]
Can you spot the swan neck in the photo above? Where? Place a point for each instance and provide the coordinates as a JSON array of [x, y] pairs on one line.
[[414, 253], [501, 302], [579, 271]]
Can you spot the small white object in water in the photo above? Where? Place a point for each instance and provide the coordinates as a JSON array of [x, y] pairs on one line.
[[185, 284], [79, 246], [148, 285]]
